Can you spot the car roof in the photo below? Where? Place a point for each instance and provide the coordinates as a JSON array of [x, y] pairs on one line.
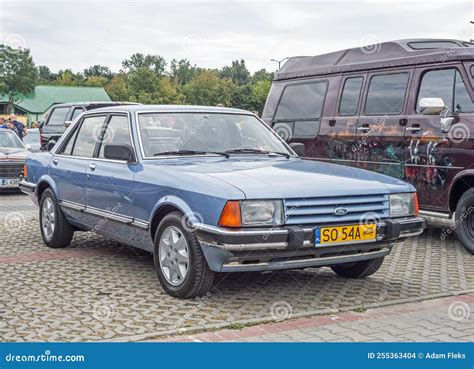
[[382, 55], [173, 109], [91, 103]]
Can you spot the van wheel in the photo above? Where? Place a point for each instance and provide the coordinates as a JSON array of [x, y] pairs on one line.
[[55, 229], [465, 220], [358, 269], [179, 261]]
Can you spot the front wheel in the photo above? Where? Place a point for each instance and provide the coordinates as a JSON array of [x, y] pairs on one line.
[[179, 262], [358, 269], [55, 229], [465, 220]]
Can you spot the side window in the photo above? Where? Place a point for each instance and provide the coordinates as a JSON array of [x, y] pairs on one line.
[[350, 96], [438, 83], [117, 133], [302, 101], [67, 148], [462, 101], [58, 116], [88, 136], [76, 112], [386, 94]]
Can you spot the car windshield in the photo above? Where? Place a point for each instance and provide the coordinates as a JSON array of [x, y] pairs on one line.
[[201, 133], [9, 140]]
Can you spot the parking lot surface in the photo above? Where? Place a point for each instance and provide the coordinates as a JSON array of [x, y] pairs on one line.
[[100, 290]]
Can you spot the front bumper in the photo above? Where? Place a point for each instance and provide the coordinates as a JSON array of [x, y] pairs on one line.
[[29, 189], [289, 247]]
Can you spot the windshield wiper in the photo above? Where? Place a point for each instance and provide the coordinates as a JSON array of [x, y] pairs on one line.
[[190, 152], [256, 151]]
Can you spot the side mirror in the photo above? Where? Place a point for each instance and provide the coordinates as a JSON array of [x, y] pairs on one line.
[[431, 106], [298, 148], [119, 152], [67, 123]]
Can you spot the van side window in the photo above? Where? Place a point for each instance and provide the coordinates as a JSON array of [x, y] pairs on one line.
[[462, 101], [386, 94], [58, 116], [303, 101], [438, 83], [350, 96], [448, 85]]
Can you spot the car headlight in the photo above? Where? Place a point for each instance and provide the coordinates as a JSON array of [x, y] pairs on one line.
[[252, 213], [403, 204], [261, 212]]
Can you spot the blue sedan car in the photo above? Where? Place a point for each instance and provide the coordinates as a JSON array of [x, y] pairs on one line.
[[208, 190]]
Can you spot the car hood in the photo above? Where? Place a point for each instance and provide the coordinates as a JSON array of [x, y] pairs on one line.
[[13, 154], [291, 178]]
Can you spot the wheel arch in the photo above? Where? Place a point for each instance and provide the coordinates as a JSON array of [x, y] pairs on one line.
[[461, 183], [43, 184]]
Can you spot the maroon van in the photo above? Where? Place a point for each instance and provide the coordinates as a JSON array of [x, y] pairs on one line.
[[402, 108]]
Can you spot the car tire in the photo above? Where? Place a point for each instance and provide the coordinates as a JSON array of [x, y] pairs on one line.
[[465, 220], [174, 243], [358, 269], [59, 233]]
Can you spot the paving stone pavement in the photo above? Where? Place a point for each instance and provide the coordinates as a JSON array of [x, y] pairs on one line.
[[438, 320], [100, 290]]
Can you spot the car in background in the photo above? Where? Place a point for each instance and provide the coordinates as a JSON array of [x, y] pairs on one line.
[[402, 108], [60, 116], [209, 190], [13, 155], [32, 140]]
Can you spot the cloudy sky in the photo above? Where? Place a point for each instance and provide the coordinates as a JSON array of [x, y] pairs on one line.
[[77, 34]]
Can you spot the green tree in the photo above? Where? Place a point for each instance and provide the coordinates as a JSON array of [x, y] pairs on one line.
[[142, 80], [262, 75], [155, 63], [182, 71], [68, 78], [18, 73], [237, 72], [117, 88], [99, 71], [206, 88], [96, 81], [259, 94], [45, 76], [168, 92]]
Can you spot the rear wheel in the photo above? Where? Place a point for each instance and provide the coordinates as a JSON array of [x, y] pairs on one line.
[[358, 269], [179, 262], [55, 229], [465, 220]]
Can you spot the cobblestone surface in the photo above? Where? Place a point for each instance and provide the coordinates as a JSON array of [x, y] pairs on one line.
[[438, 320], [100, 290]]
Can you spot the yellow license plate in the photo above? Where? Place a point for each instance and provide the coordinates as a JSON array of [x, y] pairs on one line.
[[345, 234]]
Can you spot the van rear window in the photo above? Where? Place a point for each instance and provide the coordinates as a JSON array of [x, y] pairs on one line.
[[302, 101]]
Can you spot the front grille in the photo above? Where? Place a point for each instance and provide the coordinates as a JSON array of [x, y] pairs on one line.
[[320, 210], [11, 170]]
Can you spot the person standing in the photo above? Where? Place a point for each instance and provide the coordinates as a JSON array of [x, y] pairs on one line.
[[22, 131]]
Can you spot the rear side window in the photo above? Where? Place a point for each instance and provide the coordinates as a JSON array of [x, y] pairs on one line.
[[448, 85], [350, 96], [386, 94], [67, 149], [58, 116], [116, 133], [303, 101], [88, 136]]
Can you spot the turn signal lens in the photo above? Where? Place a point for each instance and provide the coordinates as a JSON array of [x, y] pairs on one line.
[[416, 206], [25, 171], [231, 216]]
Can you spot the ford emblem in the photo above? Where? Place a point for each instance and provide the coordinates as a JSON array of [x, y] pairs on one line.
[[340, 211]]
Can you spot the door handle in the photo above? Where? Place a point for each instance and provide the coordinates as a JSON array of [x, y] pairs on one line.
[[55, 161], [92, 166], [414, 128], [364, 128]]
